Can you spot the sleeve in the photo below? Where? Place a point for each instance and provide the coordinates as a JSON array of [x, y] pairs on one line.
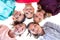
[[53, 26], [26, 1], [6, 9]]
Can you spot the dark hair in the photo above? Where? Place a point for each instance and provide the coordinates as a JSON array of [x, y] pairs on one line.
[[35, 35], [23, 19], [16, 22], [38, 8], [43, 7]]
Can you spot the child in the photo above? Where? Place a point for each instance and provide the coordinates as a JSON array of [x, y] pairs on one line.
[[48, 31], [19, 28], [28, 11], [34, 29], [18, 17], [39, 16]]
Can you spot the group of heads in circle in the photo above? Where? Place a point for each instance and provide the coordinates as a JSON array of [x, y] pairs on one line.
[[33, 27]]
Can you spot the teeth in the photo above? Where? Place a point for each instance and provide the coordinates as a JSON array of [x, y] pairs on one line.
[[18, 33]]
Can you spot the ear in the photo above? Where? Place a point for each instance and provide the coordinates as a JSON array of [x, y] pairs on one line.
[[11, 34]]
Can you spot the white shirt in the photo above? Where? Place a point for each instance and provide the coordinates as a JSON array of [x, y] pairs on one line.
[[24, 36], [8, 22], [27, 21], [53, 19], [21, 6]]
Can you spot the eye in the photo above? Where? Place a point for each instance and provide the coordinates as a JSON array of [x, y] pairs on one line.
[[22, 28], [26, 13], [20, 25], [36, 16], [17, 17], [31, 12], [30, 9], [26, 9], [40, 14], [32, 29], [35, 26], [14, 15], [19, 14]]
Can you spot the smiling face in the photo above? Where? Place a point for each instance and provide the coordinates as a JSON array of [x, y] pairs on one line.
[[18, 16], [19, 28], [28, 11], [35, 28], [38, 17]]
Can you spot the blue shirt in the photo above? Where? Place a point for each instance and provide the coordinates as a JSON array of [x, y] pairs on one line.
[[6, 8], [52, 31], [51, 27]]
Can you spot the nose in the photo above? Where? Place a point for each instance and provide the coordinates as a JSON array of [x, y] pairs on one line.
[[28, 11], [36, 30], [20, 30]]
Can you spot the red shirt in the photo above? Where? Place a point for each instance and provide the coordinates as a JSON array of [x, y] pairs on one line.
[[26, 1]]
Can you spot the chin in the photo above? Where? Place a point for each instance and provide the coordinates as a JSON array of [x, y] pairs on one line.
[[29, 17]]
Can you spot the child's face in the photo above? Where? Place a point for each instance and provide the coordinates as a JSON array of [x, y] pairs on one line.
[[18, 16], [20, 28], [28, 11], [34, 28], [38, 17]]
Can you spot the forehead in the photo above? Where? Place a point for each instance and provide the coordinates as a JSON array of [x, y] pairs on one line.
[[39, 14], [29, 7], [17, 13], [43, 11], [33, 25], [22, 25]]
